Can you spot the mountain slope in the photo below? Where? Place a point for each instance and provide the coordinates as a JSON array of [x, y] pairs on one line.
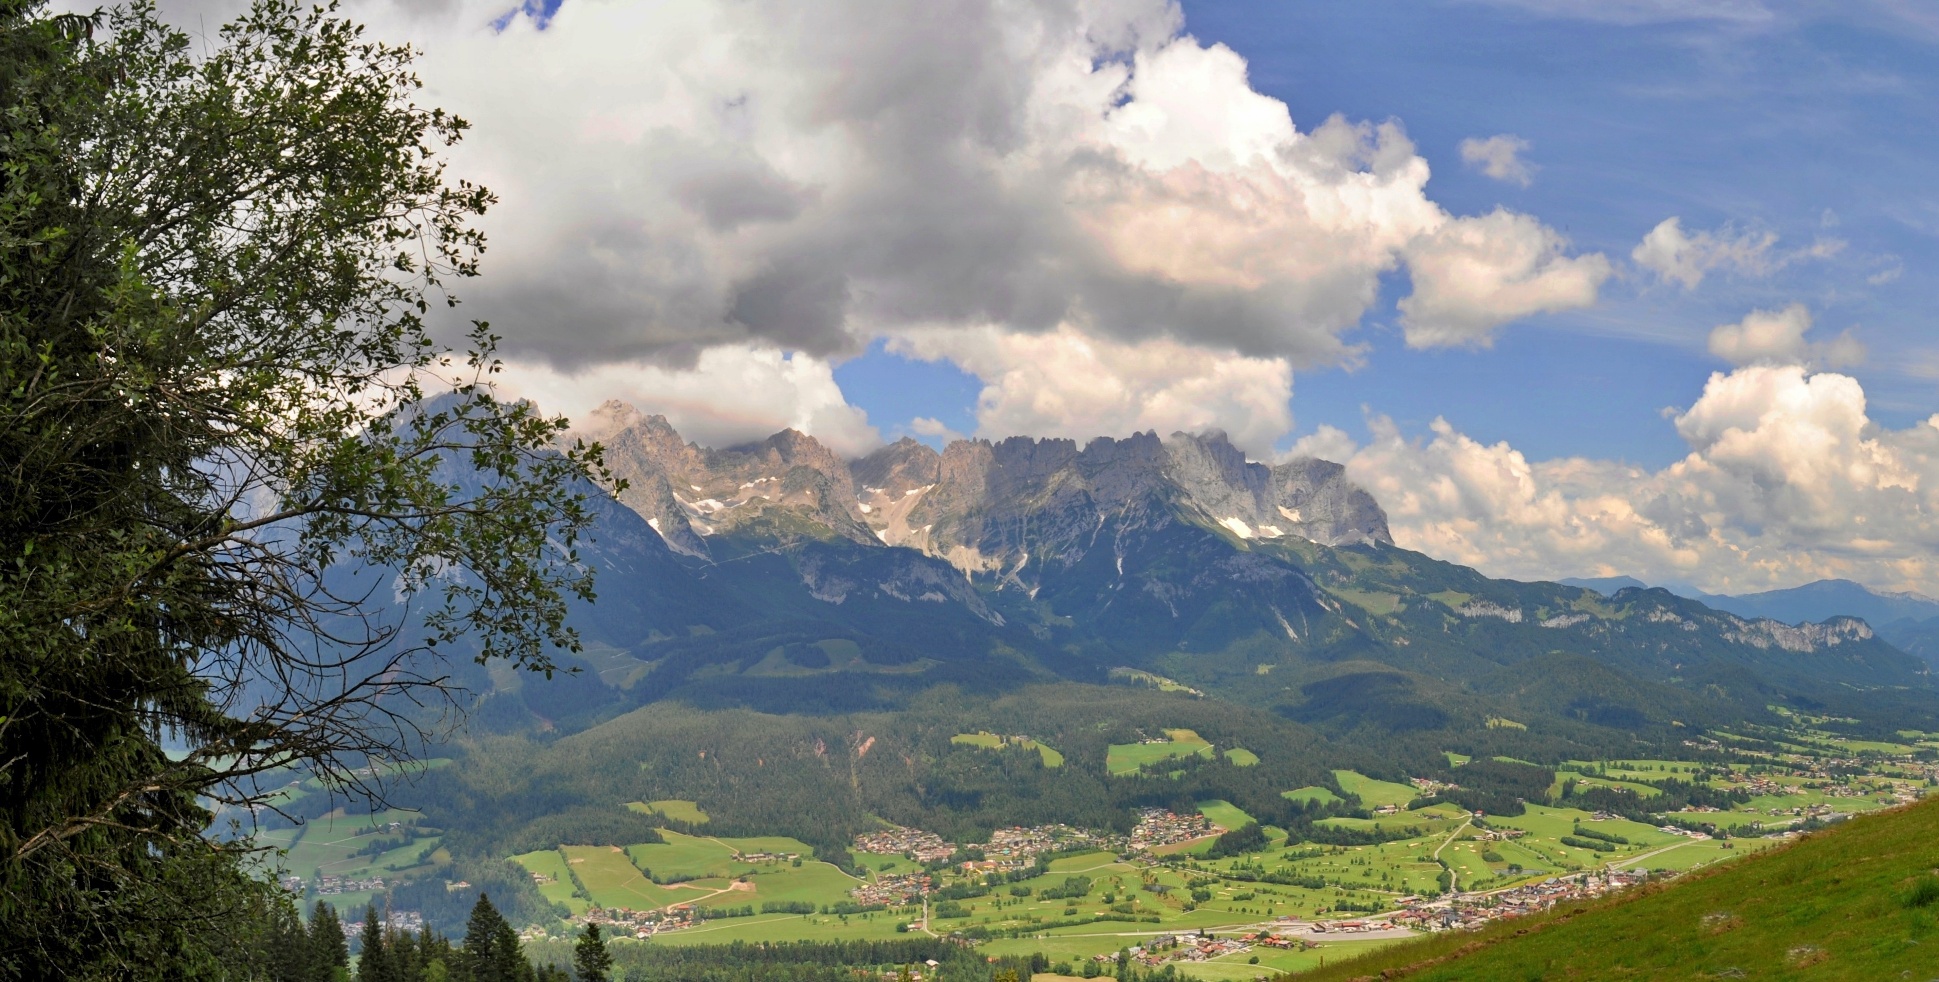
[[777, 577], [1827, 598], [1908, 621], [1859, 901]]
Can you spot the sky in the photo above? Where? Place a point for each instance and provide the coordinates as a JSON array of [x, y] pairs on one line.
[[1574, 287]]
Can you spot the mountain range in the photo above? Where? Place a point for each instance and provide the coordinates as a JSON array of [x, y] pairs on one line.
[[1909, 621], [780, 577]]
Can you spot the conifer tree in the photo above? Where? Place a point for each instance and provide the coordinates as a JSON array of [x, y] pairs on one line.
[[329, 952], [374, 964], [289, 947], [491, 949], [404, 950], [510, 956], [591, 962]]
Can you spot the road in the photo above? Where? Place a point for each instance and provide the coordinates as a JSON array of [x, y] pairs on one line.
[[1453, 878], [1649, 855]]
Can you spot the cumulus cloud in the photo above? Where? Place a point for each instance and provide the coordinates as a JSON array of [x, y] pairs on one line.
[[809, 176], [730, 395], [933, 428], [1499, 157], [1788, 479], [1326, 443], [703, 184], [1686, 258], [1065, 383], [1776, 337], [1474, 274]]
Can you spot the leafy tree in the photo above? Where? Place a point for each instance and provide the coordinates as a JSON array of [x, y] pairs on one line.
[[590, 960], [221, 425]]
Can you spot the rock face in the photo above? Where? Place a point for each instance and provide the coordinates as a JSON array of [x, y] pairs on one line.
[[983, 507], [1028, 559], [788, 485], [1307, 497]]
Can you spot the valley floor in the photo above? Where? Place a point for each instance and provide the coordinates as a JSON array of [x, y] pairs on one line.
[[1161, 896]]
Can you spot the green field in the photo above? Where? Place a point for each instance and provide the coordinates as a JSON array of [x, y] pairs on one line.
[[878, 926], [1374, 793], [991, 741], [1224, 814], [686, 856], [768, 843], [1127, 758], [1317, 794], [672, 808], [332, 845], [1860, 901], [1241, 757], [1086, 861], [551, 863], [1183, 890], [1203, 894], [1591, 781]]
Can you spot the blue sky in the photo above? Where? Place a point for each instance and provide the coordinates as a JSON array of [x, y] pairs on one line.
[[1643, 288], [1808, 128]]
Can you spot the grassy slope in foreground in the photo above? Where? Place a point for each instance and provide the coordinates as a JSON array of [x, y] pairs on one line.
[[1836, 905]]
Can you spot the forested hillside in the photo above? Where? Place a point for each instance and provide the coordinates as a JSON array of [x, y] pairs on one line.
[[772, 594]]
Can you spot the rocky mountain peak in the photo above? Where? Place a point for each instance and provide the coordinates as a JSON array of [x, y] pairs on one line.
[[977, 502], [689, 493], [1306, 497], [897, 468]]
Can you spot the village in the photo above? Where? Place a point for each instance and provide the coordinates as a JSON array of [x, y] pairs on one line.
[[1157, 827], [1157, 895]]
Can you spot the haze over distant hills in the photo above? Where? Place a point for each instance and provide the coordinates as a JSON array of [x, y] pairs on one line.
[[798, 641], [1909, 621], [729, 572]]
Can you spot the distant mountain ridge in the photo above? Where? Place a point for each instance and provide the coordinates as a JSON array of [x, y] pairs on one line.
[[777, 576], [970, 504], [1907, 620]]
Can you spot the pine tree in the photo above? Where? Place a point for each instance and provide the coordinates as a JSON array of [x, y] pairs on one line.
[[438, 961], [290, 951], [510, 956], [329, 952], [591, 962], [405, 952], [491, 952], [374, 964]]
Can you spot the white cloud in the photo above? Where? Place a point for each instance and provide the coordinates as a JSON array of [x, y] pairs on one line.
[[1326, 443], [1776, 337], [731, 395], [1499, 157], [933, 428], [1474, 274], [1067, 384], [699, 184], [1787, 480], [1685, 258], [812, 175]]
